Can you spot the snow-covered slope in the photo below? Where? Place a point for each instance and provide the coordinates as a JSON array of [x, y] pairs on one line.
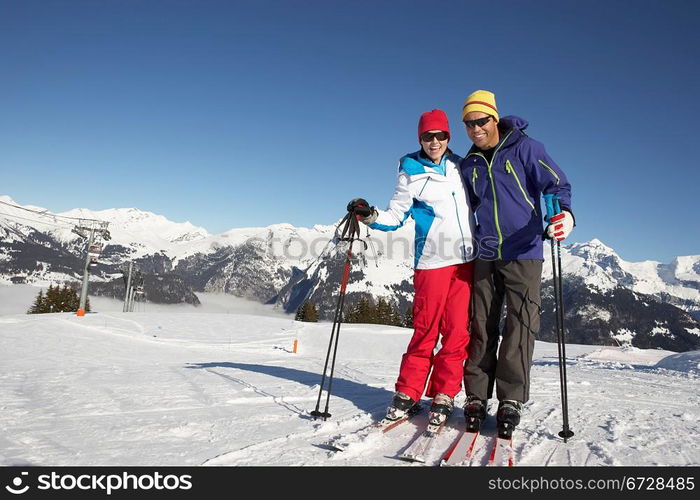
[[226, 389]]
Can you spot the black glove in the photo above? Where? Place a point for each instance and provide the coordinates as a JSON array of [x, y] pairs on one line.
[[359, 206]]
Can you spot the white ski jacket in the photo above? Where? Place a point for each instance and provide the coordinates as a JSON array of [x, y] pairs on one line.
[[435, 196]]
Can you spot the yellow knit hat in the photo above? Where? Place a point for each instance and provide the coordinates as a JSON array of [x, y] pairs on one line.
[[481, 100]]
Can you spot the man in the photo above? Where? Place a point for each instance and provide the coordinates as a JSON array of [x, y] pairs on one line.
[[506, 172]]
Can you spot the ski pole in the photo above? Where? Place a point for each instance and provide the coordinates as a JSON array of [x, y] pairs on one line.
[[553, 208], [349, 233]]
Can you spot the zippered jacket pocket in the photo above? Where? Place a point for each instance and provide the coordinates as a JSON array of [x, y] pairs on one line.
[[510, 170], [551, 171]]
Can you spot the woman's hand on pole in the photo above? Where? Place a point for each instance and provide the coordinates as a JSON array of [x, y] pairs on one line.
[[360, 207]]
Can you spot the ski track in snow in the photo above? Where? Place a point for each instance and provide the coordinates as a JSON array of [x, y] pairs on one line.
[[226, 389]]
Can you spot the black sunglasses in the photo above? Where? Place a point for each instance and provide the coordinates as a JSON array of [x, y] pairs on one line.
[[479, 121], [440, 136]]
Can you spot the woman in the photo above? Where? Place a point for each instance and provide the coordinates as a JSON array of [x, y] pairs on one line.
[[430, 189]]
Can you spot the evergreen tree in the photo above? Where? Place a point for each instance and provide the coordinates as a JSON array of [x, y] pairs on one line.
[[57, 299], [307, 312], [365, 311], [52, 298], [353, 313], [63, 299], [408, 317], [349, 314], [396, 318], [299, 316], [73, 300], [39, 306], [311, 313], [383, 312]]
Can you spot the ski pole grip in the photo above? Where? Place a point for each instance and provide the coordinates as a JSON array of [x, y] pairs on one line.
[[551, 201]]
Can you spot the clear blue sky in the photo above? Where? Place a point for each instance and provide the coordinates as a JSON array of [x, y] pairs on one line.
[[231, 114]]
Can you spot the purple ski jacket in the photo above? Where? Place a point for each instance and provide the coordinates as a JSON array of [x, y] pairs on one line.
[[505, 194]]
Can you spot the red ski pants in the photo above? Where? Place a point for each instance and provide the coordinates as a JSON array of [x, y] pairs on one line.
[[440, 306]]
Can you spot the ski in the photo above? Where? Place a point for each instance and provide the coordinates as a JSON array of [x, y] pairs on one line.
[[462, 450], [502, 453], [341, 443], [421, 446]]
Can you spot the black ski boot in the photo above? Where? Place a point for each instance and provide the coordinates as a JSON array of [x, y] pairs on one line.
[[440, 409], [401, 405], [508, 417], [474, 412]]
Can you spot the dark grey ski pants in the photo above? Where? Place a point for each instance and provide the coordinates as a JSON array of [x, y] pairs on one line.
[[508, 365]]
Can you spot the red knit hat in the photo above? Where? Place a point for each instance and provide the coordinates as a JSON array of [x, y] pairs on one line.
[[433, 120]]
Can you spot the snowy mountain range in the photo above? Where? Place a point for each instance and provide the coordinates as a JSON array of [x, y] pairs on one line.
[[607, 299]]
